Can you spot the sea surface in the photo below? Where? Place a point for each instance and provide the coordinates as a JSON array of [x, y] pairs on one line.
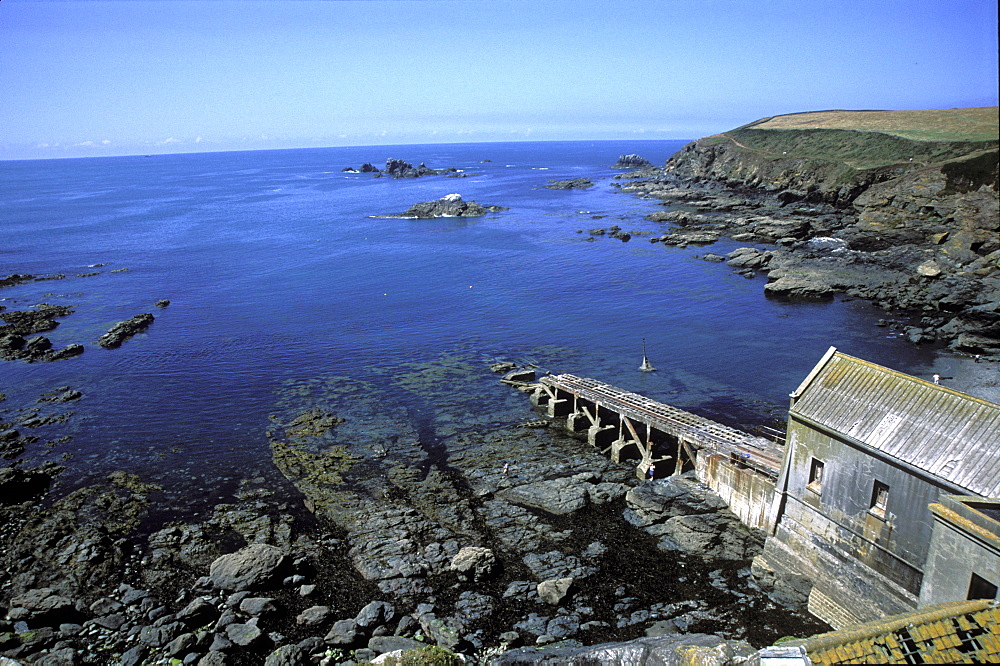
[[281, 280]]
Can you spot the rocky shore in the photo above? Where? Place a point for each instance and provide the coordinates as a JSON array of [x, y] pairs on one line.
[[919, 237], [491, 544]]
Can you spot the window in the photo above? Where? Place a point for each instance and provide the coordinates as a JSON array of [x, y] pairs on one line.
[[880, 499], [980, 588], [816, 476]]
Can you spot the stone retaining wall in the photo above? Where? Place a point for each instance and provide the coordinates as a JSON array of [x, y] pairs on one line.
[[749, 495]]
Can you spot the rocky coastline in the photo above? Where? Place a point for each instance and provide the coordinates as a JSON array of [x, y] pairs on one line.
[[494, 543], [919, 238]]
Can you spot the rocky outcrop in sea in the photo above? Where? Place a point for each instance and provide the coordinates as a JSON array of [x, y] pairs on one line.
[[570, 184], [631, 161], [395, 168], [124, 330], [451, 205]]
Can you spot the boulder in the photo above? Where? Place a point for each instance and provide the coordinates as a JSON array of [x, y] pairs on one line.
[[654, 502], [254, 566], [929, 268], [747, 257], [313, 616], [445, 632], [158, 636], [287, 655], [343, 632], [198, 612], [42, 607], [799, 288], [244, 634], [554, 591], [673, 649], [474, 563], [258, 606], [374, 614], [386, 644], [689, 517]]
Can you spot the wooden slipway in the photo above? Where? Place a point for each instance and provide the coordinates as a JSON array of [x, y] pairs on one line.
[[628, 426]]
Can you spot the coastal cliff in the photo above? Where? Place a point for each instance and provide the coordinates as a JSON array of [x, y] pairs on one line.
[[897, 207]]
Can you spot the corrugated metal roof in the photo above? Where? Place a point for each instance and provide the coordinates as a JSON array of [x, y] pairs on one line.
[[949, 434]]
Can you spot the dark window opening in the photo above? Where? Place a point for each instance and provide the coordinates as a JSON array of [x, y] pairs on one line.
[[980, 588], [816, 476], [880, 499]]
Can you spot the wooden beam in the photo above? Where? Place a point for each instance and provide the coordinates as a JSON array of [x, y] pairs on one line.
[[647, 451]]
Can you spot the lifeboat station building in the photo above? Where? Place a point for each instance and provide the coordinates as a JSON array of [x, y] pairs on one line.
[[887, 498]]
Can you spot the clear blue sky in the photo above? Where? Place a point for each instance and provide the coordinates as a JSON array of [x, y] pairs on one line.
[[145, 76]]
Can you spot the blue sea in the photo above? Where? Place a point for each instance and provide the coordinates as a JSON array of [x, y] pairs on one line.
[[285, 291]]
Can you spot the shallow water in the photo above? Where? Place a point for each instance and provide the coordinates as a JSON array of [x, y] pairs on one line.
[[280, 278]]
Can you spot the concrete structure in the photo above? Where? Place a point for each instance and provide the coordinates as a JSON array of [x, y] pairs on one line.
[[628, 426], [868, 449], [740, 467], [879, 502], [964, 558]]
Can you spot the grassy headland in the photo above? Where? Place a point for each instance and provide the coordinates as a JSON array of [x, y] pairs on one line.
[[870, 139]]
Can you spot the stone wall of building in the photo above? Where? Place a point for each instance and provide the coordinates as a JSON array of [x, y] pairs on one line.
[[748, 494], [966, 544]]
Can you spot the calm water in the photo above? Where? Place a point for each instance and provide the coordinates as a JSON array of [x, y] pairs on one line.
[[280, 278]]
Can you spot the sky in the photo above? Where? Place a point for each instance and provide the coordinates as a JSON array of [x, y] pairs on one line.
[[94, 78]]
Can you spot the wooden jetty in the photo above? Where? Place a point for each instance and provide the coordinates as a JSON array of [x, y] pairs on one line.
[[628, 426]]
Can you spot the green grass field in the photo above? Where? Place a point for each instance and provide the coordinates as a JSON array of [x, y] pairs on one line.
[[870, 139], [977, 124]]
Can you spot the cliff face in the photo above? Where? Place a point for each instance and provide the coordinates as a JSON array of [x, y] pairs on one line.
[[952, 202], [835, 166]]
